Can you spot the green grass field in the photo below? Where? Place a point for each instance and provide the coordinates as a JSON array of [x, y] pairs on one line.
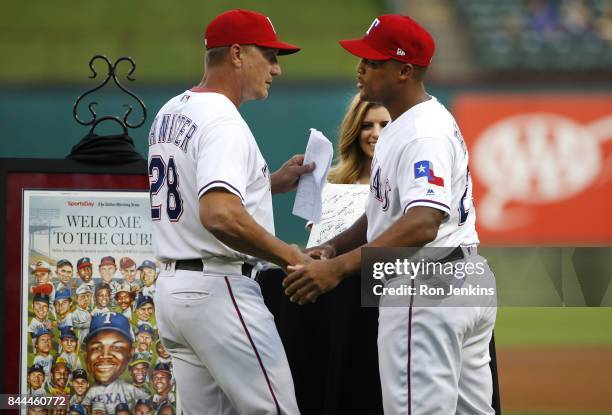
[[53, 41], [553, 326]]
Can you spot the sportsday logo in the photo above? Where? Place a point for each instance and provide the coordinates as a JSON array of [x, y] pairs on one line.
[[537, 161]]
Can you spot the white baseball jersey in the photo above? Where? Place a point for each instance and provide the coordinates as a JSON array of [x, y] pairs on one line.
[[158, 399], [167, 360], [134, 285], [421, 160], [90, 284], [197, 142], [37, 392], [113, 394], [100, 310], [145, 388], [36, 324], [81, 320], [148, 290], [45, 362], [60, 286], [76, 399], [64, 321], [115, 285]]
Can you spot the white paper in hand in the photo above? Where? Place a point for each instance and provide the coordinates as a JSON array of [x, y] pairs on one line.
[[307, 202]]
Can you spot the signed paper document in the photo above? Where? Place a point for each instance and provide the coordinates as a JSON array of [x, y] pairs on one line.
[[342, 205], [307, 202]]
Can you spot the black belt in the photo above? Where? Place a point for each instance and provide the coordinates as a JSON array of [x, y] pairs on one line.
[[455, 255], [197, 265]]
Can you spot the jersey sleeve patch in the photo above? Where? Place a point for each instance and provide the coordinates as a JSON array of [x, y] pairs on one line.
[[424, 168], [427, 178]]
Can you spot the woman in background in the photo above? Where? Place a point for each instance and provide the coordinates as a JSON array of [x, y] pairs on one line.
[[359, 133], [340, 374]]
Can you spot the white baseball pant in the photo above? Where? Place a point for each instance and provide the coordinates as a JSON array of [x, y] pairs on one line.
[[435, 360], [226, 352]]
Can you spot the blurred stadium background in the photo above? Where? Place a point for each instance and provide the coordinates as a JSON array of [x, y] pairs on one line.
[[530, 83]]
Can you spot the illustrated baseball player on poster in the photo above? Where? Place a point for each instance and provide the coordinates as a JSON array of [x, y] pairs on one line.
[[83, 255]]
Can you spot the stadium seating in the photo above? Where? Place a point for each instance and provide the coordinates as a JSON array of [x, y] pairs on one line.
[[540, 35]]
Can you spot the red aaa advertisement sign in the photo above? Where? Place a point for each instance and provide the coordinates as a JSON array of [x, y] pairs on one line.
[[541, 166]]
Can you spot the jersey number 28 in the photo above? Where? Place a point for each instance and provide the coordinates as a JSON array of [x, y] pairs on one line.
[[160, 174]]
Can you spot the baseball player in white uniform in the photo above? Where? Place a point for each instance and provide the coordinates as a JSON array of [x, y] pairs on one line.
[[42, 346], [81, 317], [36, 380], [211, 204], [40, 307], [433, 360], [68, 342], [61, 304]]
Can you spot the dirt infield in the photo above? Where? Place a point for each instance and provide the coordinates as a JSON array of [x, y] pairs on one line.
[[550, 378]]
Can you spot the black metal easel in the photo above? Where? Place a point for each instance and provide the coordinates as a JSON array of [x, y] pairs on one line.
[[109, 149]]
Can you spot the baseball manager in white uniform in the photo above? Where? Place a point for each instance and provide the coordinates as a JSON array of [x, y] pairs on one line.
[[433, 360], [211, 204]]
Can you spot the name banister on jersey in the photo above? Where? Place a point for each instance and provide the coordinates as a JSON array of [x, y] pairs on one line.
[[174, 129]]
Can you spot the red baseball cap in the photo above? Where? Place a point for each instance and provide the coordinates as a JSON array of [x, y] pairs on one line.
[[107, 260], [126, 262], [245, 27], [394, 37]]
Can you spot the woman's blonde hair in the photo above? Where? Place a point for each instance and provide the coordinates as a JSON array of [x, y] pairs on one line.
[[351, 157]]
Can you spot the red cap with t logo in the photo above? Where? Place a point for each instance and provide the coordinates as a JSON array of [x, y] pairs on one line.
[[245, 27], [394, 37]]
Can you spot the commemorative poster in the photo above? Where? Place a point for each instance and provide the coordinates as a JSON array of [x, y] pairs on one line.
[[89, 331]]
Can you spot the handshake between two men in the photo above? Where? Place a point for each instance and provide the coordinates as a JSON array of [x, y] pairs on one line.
[[326, 265]]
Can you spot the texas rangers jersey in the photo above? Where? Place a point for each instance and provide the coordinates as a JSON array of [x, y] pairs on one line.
[[113, 394], [199, 141], [421, 159]]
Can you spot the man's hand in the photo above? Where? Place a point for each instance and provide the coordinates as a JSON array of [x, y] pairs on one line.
[[298, 259], [325, 251], [307, 282], [287, 177]]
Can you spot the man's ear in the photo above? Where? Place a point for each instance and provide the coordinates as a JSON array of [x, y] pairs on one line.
[[235, 52], [406, 71]]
